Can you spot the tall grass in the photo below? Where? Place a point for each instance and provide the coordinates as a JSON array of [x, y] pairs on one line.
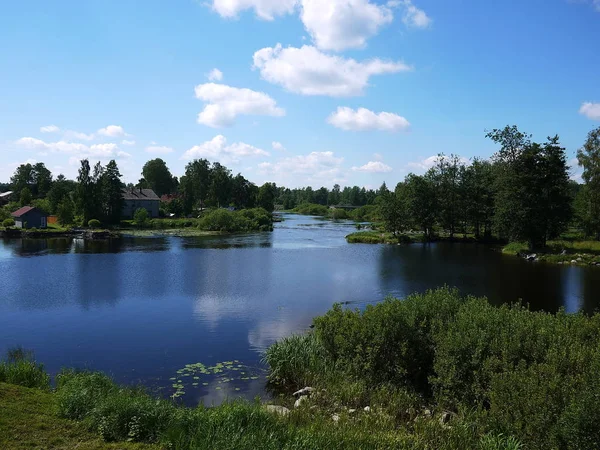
[[20, 368]]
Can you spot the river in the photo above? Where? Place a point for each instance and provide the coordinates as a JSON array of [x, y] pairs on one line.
[[142, 309]]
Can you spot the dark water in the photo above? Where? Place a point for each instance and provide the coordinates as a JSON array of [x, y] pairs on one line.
[[143, 308]]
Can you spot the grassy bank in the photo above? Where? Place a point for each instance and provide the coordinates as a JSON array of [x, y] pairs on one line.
[[486, 371], [432, 371], [576, 252]]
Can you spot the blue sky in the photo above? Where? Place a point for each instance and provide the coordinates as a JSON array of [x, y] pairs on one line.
[[306, 92]]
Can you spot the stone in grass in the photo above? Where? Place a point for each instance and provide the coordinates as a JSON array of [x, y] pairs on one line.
[[301, 400], [305, 391]]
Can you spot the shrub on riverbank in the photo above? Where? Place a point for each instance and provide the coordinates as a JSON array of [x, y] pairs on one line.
[[21, 369], [223, 220], [505, 369], [312, 209]]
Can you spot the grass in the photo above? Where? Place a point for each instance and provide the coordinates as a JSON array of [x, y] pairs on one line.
[[29, 420], [505, 375], [562, 251], [371, 237]]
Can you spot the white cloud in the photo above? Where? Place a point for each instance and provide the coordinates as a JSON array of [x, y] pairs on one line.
[[308, 71], [159, 149], [73, 148], [316, 167], [415, 17], [218, 150], [373, 167], [50, 129], [377, 156], [342, 24], [77, 136], [363, 120], [112, 131], [128, 143], [590, 110], [215, 75], [264, 9], [225, 103], [278, 146]]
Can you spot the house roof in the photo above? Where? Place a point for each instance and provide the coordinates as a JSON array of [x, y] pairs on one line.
[[140, 194], [5, 194], [25, 210]]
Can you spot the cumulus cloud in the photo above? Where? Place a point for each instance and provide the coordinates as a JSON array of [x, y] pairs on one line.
[[225, 103], [308, 71], [373, 167], [590, 110], [215, 75], [415, 17], [73, 148], [363, 119], [77, 136], [112, 131], [50, 129], [217, 149], [316, 167], [264, 9], [278, 146], [159, 149], [343, 24]]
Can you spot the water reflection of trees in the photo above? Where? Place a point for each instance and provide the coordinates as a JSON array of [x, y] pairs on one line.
[[476, 270]]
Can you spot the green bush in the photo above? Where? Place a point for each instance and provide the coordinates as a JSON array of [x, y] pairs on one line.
[[78, 393], [8, 223], [311, 209], [140, 217], [94, 223], [367, 213], [224, 220], [531, 375], [20, 368], [339, 214]]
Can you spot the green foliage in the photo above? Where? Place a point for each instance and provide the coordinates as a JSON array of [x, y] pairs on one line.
[[25, 197], [159, 177], [312, 209], [65, 213], [8, 223], [140, 217], [297, 360], [266, 196], [339, 214], [507, 370], [236, 221], [94, 223], [78, 393], [367, 213], [20, 368], [588, 200]]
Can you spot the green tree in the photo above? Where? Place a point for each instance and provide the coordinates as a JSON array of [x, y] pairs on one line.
[[158, 177], [321, 196], [422, 202], [395, 211], [112, 193], [85, 192], [533, 194], [61, 190], [243, 192], [266, 196], [478, 194], [42, 179], [65, 214], [26, 197], [335, 195], [219, 192], [588, 202], [195, 184], [22, 178], [446, 177]]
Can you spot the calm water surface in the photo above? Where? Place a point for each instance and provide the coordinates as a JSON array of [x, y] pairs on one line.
[[143, 308]]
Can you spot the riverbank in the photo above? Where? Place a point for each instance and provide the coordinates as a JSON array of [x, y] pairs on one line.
[[29, 419], [381, 237], [436, 370], [580, 253]]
